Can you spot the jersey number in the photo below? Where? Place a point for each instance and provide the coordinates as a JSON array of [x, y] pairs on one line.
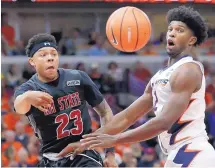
[[63, 119]]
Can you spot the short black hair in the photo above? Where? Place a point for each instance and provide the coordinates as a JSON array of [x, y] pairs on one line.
[[192, 19], [37, 39]]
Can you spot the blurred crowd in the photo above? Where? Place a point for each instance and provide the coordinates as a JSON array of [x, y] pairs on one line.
[[75, 41], [20, 148]]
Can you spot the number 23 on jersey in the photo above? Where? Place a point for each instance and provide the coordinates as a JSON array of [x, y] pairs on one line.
[[64, 119]]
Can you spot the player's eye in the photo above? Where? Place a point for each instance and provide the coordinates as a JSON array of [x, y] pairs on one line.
[[169, 29], [42, 55], [180, 30]]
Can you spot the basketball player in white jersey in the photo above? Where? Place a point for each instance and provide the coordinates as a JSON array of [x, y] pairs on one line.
[[177, 95]]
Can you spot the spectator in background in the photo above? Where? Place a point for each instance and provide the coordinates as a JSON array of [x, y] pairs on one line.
[[23, 158], [211, 50], [28, 72], [33, 154], [4, 95], [21, 135], [148, 50], [127, 157], [8, 31], [98, 48], [96, 76], [19, 49], [10, 119], [161, 40], [92, 38], [148, 159], [9, 158], [110, 49], [81, 66], [13, 76], [137, 151], [4, 46], [116, 75], [10, 141], [66, 45], [141, 72]]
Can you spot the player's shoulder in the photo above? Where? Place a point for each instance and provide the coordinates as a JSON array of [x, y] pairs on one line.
[[185, 75], [24, 87], [28, 84], [73, 72], [190, 69]]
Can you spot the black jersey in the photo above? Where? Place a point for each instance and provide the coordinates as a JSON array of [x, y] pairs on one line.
[[68, 118]]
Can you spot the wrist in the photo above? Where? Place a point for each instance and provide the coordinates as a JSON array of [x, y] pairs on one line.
[[117, 139]]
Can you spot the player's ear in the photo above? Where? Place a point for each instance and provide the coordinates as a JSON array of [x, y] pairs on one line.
[[31, 61], [192, 41]]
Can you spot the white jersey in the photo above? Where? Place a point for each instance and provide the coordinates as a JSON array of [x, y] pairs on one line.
[[191, 124]]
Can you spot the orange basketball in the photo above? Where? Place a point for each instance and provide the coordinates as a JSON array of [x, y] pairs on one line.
[[128, 29]]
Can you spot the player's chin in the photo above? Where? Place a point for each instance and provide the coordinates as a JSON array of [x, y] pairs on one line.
[[51, 72], [171, 52]]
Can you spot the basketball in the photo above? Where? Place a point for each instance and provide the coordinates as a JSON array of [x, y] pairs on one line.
[[128, 29]]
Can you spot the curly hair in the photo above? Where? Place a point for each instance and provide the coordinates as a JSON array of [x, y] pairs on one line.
[[192, 19], [39, 38]]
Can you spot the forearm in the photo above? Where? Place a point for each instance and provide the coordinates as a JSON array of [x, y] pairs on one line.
[[147, 131], [129, 116], [104, 120], [117, 124], [21, 104]]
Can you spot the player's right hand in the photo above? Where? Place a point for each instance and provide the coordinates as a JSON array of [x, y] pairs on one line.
[[40, 100]]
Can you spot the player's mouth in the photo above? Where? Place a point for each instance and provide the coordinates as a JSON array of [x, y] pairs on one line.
[[51, 68], [170, 43]]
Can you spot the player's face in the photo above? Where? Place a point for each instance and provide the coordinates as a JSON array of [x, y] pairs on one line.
[[46, 61], [179, 37]]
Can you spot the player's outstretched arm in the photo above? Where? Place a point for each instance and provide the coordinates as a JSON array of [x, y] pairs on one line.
[[185, 81], [127, 117], [38, 99]]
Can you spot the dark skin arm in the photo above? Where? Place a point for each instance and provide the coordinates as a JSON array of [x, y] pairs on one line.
[[129, 116], [121, 121], [182, 86]]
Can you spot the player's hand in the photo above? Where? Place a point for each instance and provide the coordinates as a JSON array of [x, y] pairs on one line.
[[110, 160], [75, 148], [40, 100], [94, 140]]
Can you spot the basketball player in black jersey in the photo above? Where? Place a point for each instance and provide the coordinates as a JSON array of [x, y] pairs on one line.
[[55, 102]]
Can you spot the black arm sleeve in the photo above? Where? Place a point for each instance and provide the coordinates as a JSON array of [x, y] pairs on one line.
[[91, 92]]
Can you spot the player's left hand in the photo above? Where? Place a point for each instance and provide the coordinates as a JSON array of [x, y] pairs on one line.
[[74, 148], [95, 140], [110, 160]]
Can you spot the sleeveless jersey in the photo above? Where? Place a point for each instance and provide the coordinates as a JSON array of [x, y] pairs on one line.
[[191, 123]]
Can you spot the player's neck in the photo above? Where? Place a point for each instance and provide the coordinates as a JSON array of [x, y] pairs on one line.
[[173, 60]]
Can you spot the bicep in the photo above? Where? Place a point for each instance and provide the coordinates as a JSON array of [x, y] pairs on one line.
[[141, 106], [182, 87]]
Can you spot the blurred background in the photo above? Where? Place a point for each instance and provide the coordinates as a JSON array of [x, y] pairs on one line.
[[79, 27]]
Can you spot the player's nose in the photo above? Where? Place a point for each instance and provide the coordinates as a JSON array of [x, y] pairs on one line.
[[50, 57], [172, 33]]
